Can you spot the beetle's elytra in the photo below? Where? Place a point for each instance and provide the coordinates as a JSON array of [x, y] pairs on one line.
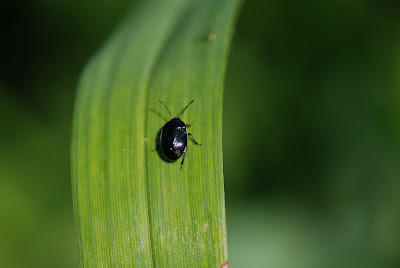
[[173, 138]]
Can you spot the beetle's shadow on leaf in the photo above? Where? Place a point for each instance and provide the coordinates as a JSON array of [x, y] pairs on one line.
[[159, 114]]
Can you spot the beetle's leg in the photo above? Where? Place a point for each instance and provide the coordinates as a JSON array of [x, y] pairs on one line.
[[190, 134], [156, 149], [157, 143], [183, 160], [188, 125]]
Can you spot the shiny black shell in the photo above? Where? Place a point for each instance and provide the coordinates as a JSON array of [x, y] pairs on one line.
[[173, 139]]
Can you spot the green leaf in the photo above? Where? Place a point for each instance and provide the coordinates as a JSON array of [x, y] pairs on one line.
[[132, 208]]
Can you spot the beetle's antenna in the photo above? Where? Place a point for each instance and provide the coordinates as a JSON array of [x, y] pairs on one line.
[[165, 107], [185, 108]]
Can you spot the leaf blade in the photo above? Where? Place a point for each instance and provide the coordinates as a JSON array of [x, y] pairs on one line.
[[113, 190]]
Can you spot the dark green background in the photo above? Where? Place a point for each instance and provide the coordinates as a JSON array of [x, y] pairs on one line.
[[311, 131]]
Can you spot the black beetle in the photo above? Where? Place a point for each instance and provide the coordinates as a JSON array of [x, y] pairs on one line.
[[173, 138]]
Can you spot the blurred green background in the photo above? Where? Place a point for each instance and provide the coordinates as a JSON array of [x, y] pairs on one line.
[[311, 131]]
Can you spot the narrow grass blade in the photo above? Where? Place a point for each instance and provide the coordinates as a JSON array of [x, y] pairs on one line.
[[132, 208]]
